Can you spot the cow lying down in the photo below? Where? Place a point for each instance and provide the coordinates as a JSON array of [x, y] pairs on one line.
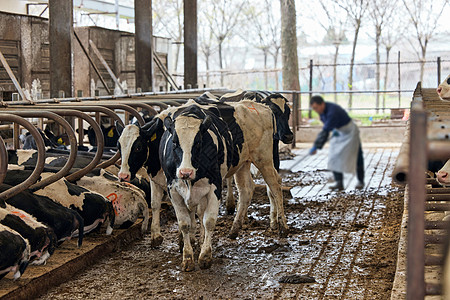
[[92, 207], [65, 222], [14, 252], [42, 239], [129, 202]]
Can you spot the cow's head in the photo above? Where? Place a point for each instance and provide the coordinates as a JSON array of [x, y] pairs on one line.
[[443, 89], [134, 143], [280, 108], [186, 138], [442, 175]]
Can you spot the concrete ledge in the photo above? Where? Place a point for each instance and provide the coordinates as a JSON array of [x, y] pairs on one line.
[[399, 285], [369, 134], [67, 260]]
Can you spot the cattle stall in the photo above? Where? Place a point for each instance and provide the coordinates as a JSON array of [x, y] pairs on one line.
[[337, 240], [24, 42], [424, 228], [69, 116]]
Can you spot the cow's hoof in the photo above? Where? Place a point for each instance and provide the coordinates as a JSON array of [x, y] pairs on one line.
[[274, 226], [284, 231], [156, 241], [230, 210], [188, 265], [233, 234], [205, 262]]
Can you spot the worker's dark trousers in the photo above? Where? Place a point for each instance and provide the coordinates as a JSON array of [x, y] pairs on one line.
[[359, 168]]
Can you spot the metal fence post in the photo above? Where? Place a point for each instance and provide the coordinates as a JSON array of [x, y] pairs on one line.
[[416, 218], [399, 81], [310, 86], [439, 70], [295, 121]]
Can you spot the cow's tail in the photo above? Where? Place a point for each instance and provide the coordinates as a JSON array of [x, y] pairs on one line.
[[80, 222]]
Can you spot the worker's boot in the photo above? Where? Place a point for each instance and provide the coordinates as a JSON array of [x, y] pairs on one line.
[[360, 185], [360, 175], [338, 186]]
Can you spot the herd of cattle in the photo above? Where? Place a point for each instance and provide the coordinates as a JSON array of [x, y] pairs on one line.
[[184, 152]]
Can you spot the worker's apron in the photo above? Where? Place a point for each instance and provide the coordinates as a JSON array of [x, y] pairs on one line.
[[344, 147]]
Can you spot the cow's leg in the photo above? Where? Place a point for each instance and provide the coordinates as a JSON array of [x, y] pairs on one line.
[[157, 194], [231, 201], [209, 222], [273, 180], [192, 233], [184, 225], [245, 187]]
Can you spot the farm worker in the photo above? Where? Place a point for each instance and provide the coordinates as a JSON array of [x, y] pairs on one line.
[[345, 155]]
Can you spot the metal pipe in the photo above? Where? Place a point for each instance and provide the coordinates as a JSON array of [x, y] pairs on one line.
[[72, 138], [400, 173], [98, 134], [142, 105], [77, 112], [123, 107], [295, 121], [40, 160], [3, 160], [99, 109], [416, 218], [143, 94]]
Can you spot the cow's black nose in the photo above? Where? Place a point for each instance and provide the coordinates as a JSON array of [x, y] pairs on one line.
[[288, 138]]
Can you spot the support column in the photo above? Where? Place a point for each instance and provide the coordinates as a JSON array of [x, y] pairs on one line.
[[143, 44], [60, 34], [190, 44]]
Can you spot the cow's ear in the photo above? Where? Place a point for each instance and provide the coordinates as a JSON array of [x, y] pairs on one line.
[[119, 127], [205, 124], [150, 129], [168, 124]]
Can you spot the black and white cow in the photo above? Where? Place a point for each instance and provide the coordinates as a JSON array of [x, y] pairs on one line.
[[14, 252], [201, 148], [92, 207], [139, 147], [110, 136], [42, 239], [64, 222], [280, 109], [250, 122], [443, 89]]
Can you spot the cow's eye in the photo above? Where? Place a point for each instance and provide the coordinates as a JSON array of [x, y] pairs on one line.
[[448, 80], [138, 148]]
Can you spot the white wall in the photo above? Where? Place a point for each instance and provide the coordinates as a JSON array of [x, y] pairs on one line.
[[14, 6]]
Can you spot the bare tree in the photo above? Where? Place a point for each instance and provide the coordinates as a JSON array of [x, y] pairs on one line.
[[390, 36], [169, 22], [380, 12], [261, 23], [289, 45], [223, 17], [424, 16], [356, 10], [206, 41], [335, 26]]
